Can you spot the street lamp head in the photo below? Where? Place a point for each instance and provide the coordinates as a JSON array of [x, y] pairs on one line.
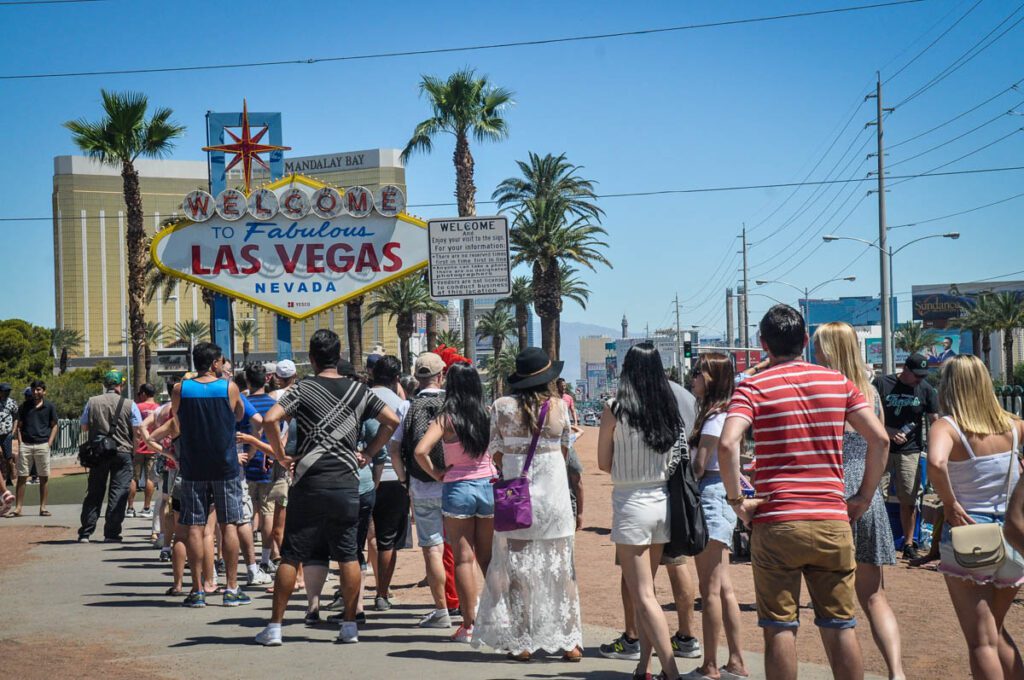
[[953, 235], [827, 238], [849, 278], [760, 283]]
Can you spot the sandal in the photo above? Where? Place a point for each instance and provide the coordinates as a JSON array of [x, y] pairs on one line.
[[12, 513], [174, 592], [522, 656], [574, 655], [45, 513], [216, 591]]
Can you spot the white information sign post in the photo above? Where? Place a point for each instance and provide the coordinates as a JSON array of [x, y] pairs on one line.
[[469, 257]]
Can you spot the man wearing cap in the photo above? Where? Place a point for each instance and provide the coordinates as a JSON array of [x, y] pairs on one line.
[[8, 411], [906, 398], [35, 430], [118, 417], [284, 377]]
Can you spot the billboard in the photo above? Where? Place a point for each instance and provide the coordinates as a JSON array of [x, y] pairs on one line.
[[936, 306], [935, 354]]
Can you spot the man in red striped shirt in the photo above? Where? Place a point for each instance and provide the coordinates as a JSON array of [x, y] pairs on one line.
[[801, 518]]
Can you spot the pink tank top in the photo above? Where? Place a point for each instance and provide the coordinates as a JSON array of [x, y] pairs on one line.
[[464, 466]]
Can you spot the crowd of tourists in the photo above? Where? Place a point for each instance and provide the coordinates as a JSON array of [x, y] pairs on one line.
[[328, 469]]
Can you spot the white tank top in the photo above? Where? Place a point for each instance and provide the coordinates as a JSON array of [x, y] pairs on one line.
[[979, 483]]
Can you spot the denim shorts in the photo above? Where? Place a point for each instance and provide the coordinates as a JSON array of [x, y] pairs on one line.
[[468, 498], [720, 517], [227, 500], [429, 525]]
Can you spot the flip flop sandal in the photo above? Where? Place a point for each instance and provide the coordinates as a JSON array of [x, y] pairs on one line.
[[45, 513], [174, 592], [574, 655], [523, 657], [13, 514], [216, 591]]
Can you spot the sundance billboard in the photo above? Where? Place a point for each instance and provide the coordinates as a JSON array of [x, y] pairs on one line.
[[296, 246]]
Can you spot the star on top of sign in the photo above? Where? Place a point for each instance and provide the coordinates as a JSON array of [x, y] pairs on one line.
[[246, 148]]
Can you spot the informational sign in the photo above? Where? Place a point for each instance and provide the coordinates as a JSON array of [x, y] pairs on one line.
[[295, 246], [469, 257]]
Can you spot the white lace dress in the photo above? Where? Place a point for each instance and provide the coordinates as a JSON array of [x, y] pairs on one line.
[[530, 600]]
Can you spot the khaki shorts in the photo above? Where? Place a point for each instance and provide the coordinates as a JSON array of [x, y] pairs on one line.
[[143, 462], [265, 495], [907, 469], [34, 453], [666, 561], [822, 552]]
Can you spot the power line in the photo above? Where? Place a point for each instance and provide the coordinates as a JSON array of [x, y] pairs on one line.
[[47, 2], [963, 59], [670, 192], [933, 42], [957, 138], [468, 48], [955, 160], [957, 214], [958, 116]]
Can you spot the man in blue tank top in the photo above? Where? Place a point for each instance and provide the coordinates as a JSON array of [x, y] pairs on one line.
[[207, 408]]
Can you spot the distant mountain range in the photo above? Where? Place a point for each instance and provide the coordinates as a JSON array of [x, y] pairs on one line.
[[571, 334]]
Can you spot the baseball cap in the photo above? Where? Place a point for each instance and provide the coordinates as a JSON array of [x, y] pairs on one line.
[[285, 368], [918, 365], [5, 387], [111, 378], [428, 365], [372, 359]]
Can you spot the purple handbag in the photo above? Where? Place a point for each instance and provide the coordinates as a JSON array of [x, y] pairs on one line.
[[512, 507]]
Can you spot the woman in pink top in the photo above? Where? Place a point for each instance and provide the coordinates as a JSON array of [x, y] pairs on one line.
[[467, 501]]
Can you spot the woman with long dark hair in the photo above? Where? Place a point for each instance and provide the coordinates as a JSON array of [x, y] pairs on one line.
[[641, 433], [531, 600], [713, 381], [467, 501]]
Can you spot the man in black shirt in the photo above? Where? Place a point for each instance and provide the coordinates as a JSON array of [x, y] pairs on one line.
[[35, 431], [906, 398]]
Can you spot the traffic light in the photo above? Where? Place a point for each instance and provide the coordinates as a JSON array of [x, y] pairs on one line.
[[687, 349]]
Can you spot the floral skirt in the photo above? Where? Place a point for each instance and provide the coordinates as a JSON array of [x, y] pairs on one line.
[[530, 600]]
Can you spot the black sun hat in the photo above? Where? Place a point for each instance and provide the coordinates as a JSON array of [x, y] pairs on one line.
[[534, 367]]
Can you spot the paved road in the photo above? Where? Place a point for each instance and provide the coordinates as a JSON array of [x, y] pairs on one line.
[[116, 592]]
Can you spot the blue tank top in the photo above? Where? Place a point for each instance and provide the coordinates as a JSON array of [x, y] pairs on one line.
[[206, 448]]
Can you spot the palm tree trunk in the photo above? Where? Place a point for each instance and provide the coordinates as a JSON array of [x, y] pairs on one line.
[[522, 319], [431, 331], [558, 336], [1008, 354], [497, 343], [976, 342], [354, 330], [63, 360], [135, 239], [245, 351], [546, 302], [149, 361], [465, 194], [986, 348]]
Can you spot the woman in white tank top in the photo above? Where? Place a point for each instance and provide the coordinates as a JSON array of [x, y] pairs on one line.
[[972, 458]]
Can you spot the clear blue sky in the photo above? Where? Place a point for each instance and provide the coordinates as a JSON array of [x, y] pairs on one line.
[[723, 106]]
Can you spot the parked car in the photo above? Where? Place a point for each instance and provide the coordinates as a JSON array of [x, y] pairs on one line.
[[590, 419]]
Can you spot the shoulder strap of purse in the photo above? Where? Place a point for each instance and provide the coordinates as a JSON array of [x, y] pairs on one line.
[[536, 437]]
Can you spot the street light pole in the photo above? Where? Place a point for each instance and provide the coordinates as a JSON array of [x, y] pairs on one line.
[[805, 308]]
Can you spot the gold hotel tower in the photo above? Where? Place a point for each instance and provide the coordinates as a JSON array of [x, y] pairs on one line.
[[89, 221]]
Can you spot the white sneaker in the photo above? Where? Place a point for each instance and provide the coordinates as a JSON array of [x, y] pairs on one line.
[[349, 632], [269, 637], [438, 618], [463, 634], [259, 578], [145, 513]]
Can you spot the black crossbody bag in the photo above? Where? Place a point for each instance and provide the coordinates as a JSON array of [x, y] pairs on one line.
[[101, 446]]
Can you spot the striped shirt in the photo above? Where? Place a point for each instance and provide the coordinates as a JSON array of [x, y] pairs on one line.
[[634, 462], [797, 411]]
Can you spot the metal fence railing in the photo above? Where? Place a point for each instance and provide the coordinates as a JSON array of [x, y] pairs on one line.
[[1012, 399], [69, 437]]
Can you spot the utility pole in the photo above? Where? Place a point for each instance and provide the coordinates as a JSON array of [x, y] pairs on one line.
[[679, 335], [729, 330], [744, 302], [883, 248]]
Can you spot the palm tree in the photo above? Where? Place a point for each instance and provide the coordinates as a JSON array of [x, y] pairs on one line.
[[497, 325], [62, 342], [462, 106], [354, 329], [520, 298], [119, 139], [451, 338], [155, 333], [402, 300], [977, 320], [501, 366], [570, 288], [1006, 313], [914, 337], [246, 329], [188, 332], [550, 177], [545, 234]]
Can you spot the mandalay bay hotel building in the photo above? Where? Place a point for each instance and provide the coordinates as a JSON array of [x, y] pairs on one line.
[[90, 269]]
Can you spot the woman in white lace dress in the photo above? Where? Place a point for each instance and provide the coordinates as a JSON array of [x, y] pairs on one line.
[[531, 600]]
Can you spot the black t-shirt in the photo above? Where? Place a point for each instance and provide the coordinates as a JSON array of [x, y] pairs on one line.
[[36, 423], [329, 413], [905, 406]]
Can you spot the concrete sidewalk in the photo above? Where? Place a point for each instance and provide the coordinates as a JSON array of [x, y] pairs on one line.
[[116, 591]]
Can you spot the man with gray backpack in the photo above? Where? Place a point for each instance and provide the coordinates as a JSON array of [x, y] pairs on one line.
[[112, 423]]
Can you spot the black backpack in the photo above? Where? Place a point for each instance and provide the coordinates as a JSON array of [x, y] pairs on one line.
[[423, 410]]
